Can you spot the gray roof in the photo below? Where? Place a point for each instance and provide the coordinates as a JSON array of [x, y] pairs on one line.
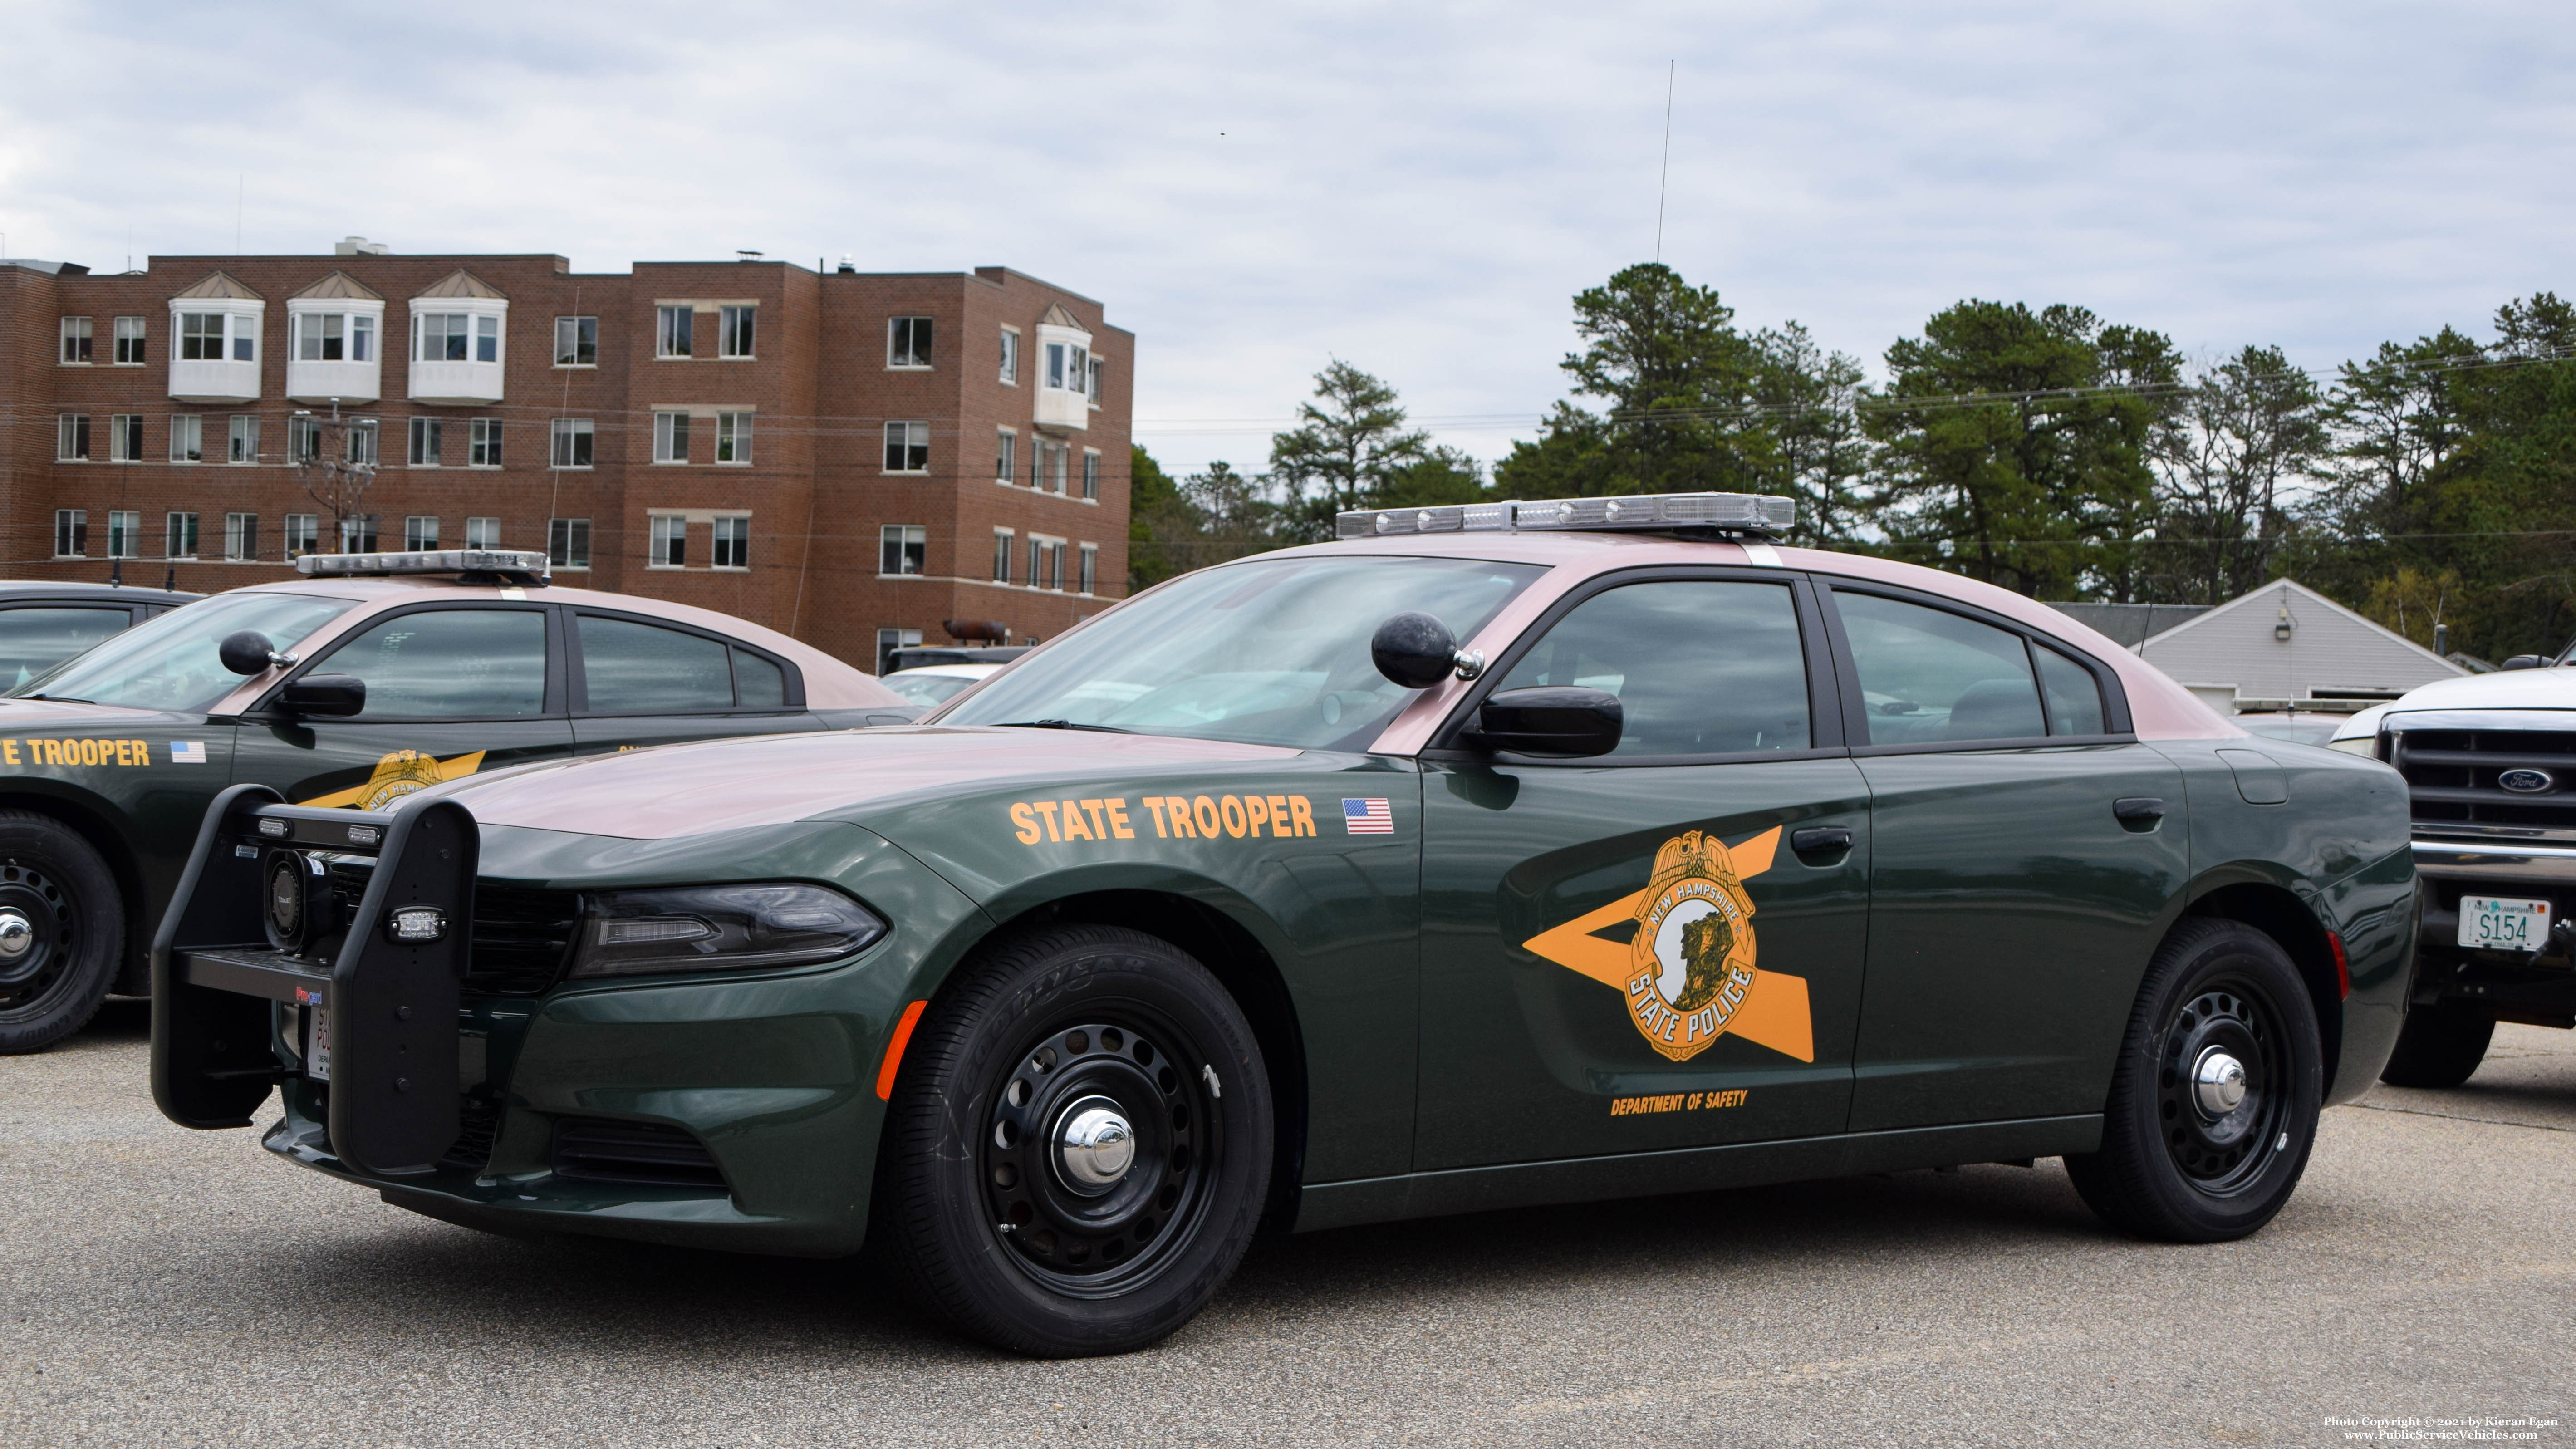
[[219, 284], [340, 285], [2131, 625]]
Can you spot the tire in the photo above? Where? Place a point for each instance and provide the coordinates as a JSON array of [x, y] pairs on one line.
[[2179, 1161], [54, 883], [991, 1221], [2440, 1046]]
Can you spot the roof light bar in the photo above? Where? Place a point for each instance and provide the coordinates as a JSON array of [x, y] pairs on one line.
[[424, 561], [1758, 514]]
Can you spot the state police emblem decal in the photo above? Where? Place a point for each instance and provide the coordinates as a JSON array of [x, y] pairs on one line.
[[1692, 956]]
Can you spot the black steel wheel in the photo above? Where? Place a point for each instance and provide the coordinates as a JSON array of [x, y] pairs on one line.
[[2214, 1099], [2440, 1046], [1078, 1147], [62, 931]]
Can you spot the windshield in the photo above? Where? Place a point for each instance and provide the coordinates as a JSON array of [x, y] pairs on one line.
[[170, 662], [923, 687], [1269, 653]]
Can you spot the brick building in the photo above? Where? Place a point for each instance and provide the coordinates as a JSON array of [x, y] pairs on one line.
[[851, 458]]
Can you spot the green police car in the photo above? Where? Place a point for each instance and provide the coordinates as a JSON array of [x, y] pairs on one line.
[[1500, 854], [368, 677]]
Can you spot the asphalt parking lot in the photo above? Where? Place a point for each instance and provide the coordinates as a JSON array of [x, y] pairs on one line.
[[170, 1287]]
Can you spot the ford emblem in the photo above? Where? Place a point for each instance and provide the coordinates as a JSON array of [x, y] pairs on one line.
[[2527, 782]]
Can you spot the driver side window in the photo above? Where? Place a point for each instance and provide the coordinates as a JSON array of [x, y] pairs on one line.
[[1701, 667], [449, 664]]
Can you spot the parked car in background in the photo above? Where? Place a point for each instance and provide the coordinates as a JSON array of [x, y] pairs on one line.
[[43, 624], [2490, 767], [933, 684], [367, 678], [1502, 854]]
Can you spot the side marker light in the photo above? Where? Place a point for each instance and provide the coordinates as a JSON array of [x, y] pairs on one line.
[[894, 1049]]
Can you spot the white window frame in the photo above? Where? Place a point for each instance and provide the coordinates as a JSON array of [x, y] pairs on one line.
[[365, 441], [125, 533], [910, 437], [675, 333], [355, 332], [1006, 457], [79, 335], [568, 543], [428, 444], [671, 436], [910, 347], [889, 640], [362, 533], [483, 443], [667, 535], [1092, 385], [1088, 558], [909, 544], [139, 334], [1091, 475], [572, 443], [736, 325], [124, 439], [303, 438], [300, 534], [483, 531], [1010, 357], [738, 526], [179, 534], [1002, 538], [241, 440], [420, 533], [187, 438], [572, 324], [72, 440], [453, 328], [241, 537], [71, 533], [235, 337], [733, 438]]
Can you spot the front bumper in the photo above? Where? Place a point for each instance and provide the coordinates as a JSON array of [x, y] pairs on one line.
[[2537, 988]]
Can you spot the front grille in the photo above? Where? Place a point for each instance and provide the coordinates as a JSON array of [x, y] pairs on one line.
[[647, 1153], [479, 1124], [522, 936], [2451, 778]]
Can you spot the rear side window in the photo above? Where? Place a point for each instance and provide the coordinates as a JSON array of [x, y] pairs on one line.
[[449, 664], [1701, 667], [759, 682], [2074, 695], [632, 668], [1928, 676], [35, 640]]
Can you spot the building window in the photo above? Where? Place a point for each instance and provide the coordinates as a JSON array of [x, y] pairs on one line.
[[1090, 478], [443, 337], [129, 342], [201, 337], [362, 442], [487, 339], [1090, 559], [733, 437], [670, 437], [576, 342], [1001, 555], [572, 438], [358, 533], [735, 329], [907, 447], [568, 542], [1094, 387], [426, 437], [243, 446], [124, 533], [71, 437], [71, 533], [1010, 357], [76, 341], [241, 537], [125, 438], [1006, 456], [670, 542], [1037, 561], [733, 542], [179, 536], [334, 337], [482, 533], [671, 333], [1055, 566], [187, 438], [890, 640], [907, 342], [902, 548], [303, 534], [483, 443], [420, 533], [1051, 473], [303, 440]]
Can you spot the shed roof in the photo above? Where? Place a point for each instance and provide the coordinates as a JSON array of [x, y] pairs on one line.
[[219, 285], [462, 283], [339, 285]]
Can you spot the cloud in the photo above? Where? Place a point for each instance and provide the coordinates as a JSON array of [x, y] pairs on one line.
[[1420, 190]]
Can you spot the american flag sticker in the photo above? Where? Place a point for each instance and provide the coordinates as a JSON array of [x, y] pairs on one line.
[[1367, 817], [187, 752]]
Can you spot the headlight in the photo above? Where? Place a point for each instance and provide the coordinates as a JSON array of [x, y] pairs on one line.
[[2363, 745], [720, 928]]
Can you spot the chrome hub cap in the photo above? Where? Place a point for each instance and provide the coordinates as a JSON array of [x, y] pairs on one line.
[[17, 937], [1094, 1146], [2217, 1084]]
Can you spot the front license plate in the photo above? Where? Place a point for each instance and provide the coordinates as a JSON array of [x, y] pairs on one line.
[[2491, 923], [317, 1047]]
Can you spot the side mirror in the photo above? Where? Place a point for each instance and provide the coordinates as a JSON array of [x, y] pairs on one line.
[[327, 696], [1418, 651], [1549, 719], [248, 652], [2523, 661]]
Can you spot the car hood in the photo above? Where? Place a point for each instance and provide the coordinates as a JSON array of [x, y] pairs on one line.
[[2505, 689], [716, 785]]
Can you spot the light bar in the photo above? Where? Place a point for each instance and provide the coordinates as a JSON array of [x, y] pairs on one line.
[[1760, 514], [423, 561]]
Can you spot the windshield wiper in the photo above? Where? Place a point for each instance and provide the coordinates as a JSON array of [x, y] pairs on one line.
[[1064, 724], [57, 698]]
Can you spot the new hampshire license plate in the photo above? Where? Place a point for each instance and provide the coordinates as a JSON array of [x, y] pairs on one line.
[[2495, 923]]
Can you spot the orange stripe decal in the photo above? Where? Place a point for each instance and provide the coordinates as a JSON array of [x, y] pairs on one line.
[[894, 1050]]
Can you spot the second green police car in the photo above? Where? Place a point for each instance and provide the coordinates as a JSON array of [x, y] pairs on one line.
[[1505, 854]]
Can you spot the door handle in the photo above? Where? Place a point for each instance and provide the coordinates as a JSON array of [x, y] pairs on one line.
[[1820, 838], [2138, 812]]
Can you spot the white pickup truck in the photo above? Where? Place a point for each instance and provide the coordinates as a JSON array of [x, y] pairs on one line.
[[2490, 767]]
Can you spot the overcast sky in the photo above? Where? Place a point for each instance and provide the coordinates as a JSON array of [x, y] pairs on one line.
[[1418, 189]]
